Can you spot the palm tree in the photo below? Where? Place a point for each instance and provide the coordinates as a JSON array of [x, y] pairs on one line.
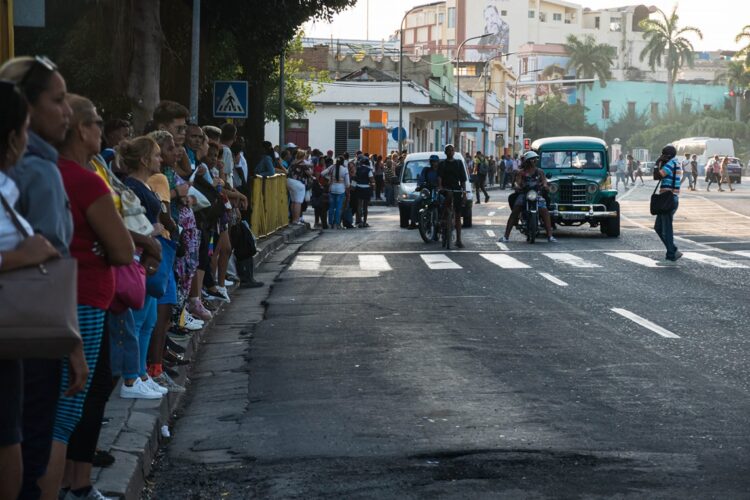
[[589, 60], [744, 51], [666, 41], [737, 77]]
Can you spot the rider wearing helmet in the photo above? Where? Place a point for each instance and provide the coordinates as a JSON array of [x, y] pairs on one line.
[[427, 179], [529, 177]]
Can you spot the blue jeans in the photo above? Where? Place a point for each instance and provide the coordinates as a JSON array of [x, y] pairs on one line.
[[123, 355], [336, 201], [145, 321], [663, 227], [390, 198]]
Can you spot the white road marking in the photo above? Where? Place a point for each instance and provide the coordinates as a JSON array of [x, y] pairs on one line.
[[439, 261], [490, 214], [487, 222], [374, 263], [743, 253], [503, 246], [638, 259], [504, 261], [306, 263], [570, 260], [556, 281], [490, 233], [645, 323], [713, 261]]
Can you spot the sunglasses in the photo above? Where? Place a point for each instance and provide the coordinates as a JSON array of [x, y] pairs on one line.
[[41, 63]]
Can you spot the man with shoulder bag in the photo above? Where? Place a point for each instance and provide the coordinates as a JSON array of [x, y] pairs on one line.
[[668, 171]]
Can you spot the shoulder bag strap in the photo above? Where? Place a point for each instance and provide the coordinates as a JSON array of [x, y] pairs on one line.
[[14, 217]]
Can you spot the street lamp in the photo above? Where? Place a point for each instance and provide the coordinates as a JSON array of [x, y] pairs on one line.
[[458, 81]]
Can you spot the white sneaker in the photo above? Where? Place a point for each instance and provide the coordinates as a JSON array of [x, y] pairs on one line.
[[139, 390], [154, 386], [93, 494], [503, 239], [192, 323], [552, 239], [164, 380], [228, 283], [225, 295]]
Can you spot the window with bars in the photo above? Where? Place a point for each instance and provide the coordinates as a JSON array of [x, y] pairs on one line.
[[347, 136]]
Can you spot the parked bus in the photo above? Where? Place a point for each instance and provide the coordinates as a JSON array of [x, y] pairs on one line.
[[705, 148]]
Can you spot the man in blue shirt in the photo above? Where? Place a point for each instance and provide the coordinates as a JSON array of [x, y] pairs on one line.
[[670, 173]]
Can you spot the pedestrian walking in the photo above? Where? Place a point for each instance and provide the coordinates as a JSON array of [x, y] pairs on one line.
[[669, 172], [480, 171], [687, 171], [724, 174], [712, 169], [621, 173], [637, 172], [492, 176], [630, 167], [694, 171]]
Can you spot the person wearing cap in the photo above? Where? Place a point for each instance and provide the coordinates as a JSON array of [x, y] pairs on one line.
[[364, 180], [669, 171], [529, 177]]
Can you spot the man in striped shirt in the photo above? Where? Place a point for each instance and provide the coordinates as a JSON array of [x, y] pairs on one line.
[[670, 172]]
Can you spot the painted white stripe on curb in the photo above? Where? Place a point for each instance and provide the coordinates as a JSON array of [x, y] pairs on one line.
[[439, 261], [570, 260], [743, 253], [490, 233], [556, 281], [306, 262], [374, 263], [645, 323], [504, 261], [713, 261]]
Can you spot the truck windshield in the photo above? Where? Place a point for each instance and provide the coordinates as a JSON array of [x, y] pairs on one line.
[[571, 159], [413, 168]]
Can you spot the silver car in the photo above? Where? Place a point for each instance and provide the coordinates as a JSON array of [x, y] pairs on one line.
[[406, 191]]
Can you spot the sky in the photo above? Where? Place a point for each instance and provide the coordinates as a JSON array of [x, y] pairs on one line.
[[719, 20]]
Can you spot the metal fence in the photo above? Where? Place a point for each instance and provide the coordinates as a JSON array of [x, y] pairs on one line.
[[270, 204]]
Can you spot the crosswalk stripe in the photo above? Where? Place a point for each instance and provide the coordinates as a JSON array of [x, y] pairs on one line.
[[374, 263], [503, 260], [645, 323], [306, 262], [743, 253], [713, 261], [487, 222], [490, 233], [490, 214], [503, 246], [638, 259], [570, 260], [439, 261], [553, 279]]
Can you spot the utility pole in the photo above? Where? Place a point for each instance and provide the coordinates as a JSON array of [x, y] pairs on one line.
[[458, 84], [401, 84], [195, 53], [282, 99]]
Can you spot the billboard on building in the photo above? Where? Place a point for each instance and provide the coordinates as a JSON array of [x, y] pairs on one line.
[[486, 18]]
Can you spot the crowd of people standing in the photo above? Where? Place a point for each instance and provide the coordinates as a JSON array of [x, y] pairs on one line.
[[158, 224]]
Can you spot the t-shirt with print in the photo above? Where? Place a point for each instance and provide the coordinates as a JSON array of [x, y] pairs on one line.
[[10, 238], [96, 280]]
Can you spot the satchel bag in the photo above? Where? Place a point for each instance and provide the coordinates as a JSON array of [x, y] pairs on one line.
[[130, 288], [156, 284], [663, 203], [39, 314], [201, 201]]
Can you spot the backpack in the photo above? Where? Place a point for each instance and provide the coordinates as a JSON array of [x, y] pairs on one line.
[[362, 175]]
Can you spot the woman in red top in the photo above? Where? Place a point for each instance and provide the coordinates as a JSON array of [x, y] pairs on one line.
[[100, 240]]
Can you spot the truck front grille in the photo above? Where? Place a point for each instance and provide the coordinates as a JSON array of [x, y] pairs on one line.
[[572, 193]]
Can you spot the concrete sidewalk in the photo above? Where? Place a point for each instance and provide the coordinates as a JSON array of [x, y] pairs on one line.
[[134, 430]]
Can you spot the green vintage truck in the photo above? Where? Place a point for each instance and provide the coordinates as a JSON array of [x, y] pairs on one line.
[[577, 169]]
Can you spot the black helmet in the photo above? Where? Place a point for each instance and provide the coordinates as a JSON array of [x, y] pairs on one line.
[[434, 158], [669, 151]]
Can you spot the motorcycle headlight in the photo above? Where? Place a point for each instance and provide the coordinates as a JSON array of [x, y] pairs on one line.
[[553, 188], [425, 194], [592, 188], [531, 195]]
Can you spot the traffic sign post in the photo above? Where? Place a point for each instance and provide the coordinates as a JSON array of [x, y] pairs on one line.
[[230, 99], [395, 134]]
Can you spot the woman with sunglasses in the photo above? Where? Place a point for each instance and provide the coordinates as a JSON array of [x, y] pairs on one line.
[[15, 252], [44, 204]]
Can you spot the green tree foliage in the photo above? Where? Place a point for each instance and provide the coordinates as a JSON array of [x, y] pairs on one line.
[[589, 60], [554, 117], [667, 42], [629, 123], [744, 35], [736, 77]]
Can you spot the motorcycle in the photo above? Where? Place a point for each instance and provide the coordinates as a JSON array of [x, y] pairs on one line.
[[429, 215], [529, 222]]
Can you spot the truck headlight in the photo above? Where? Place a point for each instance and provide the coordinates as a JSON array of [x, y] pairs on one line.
[[592, 188], [531, 195]]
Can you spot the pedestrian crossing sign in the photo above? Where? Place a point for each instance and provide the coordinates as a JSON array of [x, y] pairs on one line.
[[230, 99]]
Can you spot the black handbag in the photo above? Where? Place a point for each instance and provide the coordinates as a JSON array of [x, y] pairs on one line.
[[211, 214], [663, 203]]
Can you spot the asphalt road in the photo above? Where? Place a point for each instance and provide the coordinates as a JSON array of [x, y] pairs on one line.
[[382, 367]]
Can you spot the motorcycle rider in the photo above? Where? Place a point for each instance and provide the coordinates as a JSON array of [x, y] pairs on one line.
[[529, 177], [428, 179]]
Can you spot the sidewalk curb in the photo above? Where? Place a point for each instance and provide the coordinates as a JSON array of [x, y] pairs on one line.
[[133, 433]]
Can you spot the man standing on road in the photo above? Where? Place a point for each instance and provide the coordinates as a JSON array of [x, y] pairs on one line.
[[670, 173], [712, 169], [694, 171], [480, 170], [452, 176], [687, 171]]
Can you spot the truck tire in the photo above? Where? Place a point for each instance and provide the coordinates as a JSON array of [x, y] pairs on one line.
[[404, 214], [611, 227]]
